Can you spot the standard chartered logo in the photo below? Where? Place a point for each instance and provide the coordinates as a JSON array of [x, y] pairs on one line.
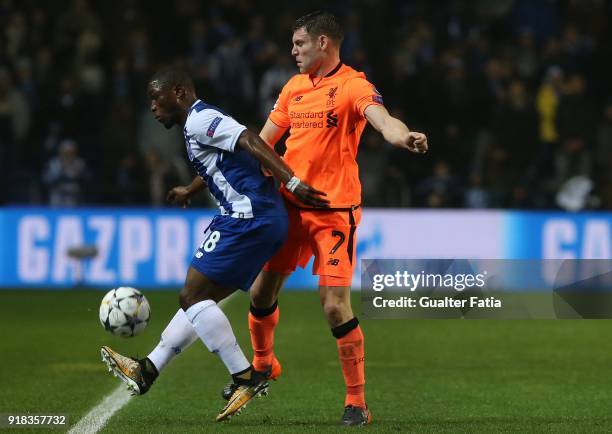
[[306, 115], [310, 119]]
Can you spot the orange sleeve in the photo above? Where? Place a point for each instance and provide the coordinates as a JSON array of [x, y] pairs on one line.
[[280, 113], [364, 94]]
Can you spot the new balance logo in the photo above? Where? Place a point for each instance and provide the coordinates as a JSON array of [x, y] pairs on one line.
[[332, 119], [333, 262]]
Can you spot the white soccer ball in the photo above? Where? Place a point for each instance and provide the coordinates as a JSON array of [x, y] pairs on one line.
[[124, 312]]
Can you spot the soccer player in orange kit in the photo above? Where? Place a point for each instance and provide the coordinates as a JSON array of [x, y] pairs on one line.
[[325, 109]]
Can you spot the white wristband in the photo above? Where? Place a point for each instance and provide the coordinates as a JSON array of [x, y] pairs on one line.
[[292, 184]]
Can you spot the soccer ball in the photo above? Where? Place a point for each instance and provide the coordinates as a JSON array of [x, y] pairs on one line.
[[124, 312]]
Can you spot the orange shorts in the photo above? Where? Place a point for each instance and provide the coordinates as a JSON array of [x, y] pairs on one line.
[[329, 235]]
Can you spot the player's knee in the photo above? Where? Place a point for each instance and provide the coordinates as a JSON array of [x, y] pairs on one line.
[[265, 289], [262, 299], [188, 298], [184, 299], [333, 311], [193, 293]]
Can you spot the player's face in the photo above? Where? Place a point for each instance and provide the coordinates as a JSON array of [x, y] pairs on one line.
[[306, 50], [164, 105]]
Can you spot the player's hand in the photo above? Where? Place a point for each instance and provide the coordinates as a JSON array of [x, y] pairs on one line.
[[310, 196], [179, 195], [417, 142]]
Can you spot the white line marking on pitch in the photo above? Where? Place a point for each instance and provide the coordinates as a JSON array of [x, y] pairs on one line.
[[98, 416]]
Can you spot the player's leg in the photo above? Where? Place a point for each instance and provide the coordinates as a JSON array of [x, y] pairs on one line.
[[336, 303], [266, 288], [264, 312], [263, 319], [199, 299], [334, 247]]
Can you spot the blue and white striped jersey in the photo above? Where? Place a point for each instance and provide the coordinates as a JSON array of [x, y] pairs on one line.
[[233, 175]]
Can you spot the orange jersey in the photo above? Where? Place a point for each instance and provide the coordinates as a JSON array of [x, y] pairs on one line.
[[325, 122]]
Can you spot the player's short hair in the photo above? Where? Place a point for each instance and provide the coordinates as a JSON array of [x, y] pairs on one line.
[[172, 76], [321, 23]]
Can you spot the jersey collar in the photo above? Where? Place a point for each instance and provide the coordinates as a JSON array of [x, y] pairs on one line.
[[197, 101], [333, 71], [329, 74]]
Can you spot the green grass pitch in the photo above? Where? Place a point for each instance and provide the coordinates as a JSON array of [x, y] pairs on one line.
[[423, 375]]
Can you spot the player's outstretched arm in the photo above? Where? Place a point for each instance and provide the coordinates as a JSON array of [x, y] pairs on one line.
[[269, 159], [182, 193], [395, 131], [271, 133]]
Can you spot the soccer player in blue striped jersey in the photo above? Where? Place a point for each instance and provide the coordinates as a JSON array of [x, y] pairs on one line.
[[250, 228]]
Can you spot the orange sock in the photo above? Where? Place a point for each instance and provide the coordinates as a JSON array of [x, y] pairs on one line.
[[262, 323], [352, 359]]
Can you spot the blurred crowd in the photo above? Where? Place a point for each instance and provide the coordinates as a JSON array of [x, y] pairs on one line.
[[515, 95]]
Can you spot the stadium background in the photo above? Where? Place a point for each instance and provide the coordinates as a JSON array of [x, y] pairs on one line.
[[515, 95], [516, 99]]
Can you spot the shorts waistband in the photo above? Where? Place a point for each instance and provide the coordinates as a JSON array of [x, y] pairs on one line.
[[302, 208], [239, 215]]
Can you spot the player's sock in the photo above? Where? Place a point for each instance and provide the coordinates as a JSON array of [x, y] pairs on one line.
[[213, 327], [262, 323], [177, 336], [349, 339]]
